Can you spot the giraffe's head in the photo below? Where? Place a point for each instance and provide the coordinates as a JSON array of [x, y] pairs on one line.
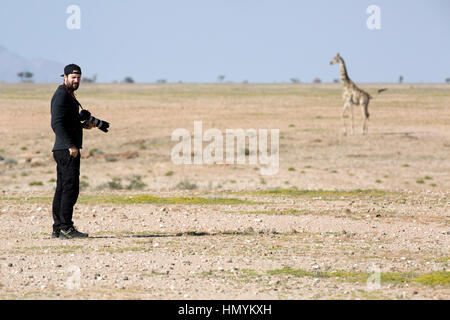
[[336, 59]]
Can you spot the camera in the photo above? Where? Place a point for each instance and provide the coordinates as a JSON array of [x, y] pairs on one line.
[[85, 117]]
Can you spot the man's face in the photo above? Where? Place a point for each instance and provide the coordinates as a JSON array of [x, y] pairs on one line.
[[72, 81]]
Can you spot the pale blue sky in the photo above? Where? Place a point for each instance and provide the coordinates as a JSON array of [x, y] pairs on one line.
[[258, 41]]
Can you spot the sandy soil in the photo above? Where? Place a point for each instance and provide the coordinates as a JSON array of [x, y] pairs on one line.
[[353, 217]]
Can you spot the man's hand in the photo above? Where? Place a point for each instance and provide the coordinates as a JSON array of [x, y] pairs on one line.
[[73, 151]]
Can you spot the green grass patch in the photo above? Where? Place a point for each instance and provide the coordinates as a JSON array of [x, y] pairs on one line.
[[125, 249], [46, 249], [434, 278], [27, 199], [169, 173], [287, 212], [138, 199], [36, 183], [154, 273], [324, 194], [145, 198], [428, 279], [441, 259], [247, 275]]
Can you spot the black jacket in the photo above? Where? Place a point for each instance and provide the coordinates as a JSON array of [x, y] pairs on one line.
[[65, 120]]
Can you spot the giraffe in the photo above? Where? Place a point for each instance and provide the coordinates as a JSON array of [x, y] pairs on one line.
[[352, 96]]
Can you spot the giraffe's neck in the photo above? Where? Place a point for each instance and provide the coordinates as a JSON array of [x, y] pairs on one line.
[[344, 75]]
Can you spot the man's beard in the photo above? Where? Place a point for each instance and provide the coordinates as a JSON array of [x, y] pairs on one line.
[[73, 86]]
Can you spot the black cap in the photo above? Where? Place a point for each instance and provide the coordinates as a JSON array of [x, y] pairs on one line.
[[71, 68]]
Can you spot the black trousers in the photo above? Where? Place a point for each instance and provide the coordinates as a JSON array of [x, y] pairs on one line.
[[67, 188]]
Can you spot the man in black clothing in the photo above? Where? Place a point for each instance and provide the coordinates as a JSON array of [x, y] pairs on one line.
[[68, 130]]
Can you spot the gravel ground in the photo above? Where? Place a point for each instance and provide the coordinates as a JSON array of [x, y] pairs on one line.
[[148, 251], [354, 217]]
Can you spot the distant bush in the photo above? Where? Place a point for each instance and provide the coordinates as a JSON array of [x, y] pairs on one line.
[[135, 183], [169, 173], [83, 185], [186, 185], [95, 151], [115, 184], [90, 80], [25, 76]]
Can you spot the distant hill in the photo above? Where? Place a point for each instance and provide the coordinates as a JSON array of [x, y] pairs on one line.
[[43, 70]]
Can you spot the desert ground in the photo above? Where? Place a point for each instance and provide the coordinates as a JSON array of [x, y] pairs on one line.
[[345, 216]]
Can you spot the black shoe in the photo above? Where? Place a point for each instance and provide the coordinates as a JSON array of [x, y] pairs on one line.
[[72, 233], [55, 234]]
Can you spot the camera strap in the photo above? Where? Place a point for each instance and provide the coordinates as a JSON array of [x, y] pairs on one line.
[[73, 95]]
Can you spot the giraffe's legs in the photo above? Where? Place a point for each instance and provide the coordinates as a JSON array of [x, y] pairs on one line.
[[344, 110], [366, 118], [364, 128]]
